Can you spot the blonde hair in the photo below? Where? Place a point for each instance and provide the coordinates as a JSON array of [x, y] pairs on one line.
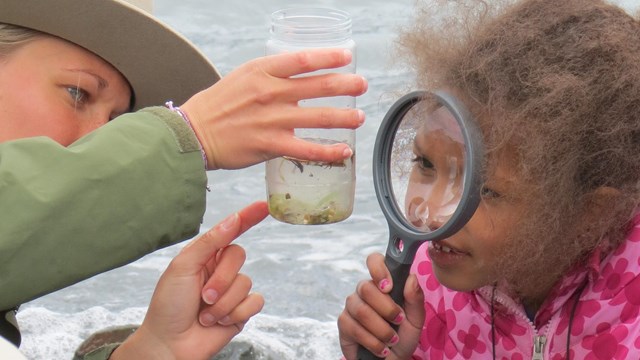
[[12, 37]]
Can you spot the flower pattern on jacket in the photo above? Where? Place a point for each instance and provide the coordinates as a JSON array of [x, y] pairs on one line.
[[617, 276], [607, 344], [605, 325], [471, 342], [436, 328]]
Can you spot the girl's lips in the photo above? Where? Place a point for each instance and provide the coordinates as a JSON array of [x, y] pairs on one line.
[[444, 256]]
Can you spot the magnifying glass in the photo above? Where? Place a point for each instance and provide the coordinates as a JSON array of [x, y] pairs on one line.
[[427, 173]]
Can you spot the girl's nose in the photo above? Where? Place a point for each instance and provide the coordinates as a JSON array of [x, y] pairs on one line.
[[435, 222], [423, 215]]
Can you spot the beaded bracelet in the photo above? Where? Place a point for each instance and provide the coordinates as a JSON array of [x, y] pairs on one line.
[[183, 115]]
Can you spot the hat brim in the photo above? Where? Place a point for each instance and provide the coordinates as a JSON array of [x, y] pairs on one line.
[[159, 63]]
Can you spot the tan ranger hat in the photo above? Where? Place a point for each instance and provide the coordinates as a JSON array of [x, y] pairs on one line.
[[159, 63]]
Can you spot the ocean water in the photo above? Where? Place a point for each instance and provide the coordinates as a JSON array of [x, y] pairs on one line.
[[304, 272]]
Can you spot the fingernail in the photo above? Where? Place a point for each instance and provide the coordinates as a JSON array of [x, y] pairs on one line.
[[224, 321], [209, 296], [348, 54], [207, 319], [384, 283], [347, 153], [398, 318], [360, 117], [394, 340], [229, 222], [385, 353]]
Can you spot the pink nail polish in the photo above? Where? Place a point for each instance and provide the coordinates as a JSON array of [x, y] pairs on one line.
[[394, 340], [384, 283], [398, 318], [385, 353]]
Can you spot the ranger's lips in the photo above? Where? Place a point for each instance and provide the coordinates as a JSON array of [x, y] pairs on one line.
[[442, 245]]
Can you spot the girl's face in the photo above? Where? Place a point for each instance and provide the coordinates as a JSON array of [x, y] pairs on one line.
[[466, 260], [51, 87], [437, 172]]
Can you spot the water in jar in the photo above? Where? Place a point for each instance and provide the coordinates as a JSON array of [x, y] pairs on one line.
[[309, 192]]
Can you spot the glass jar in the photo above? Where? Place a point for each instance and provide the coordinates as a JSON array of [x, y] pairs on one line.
[[301, 191]]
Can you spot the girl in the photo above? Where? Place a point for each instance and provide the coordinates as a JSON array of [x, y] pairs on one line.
[[548, 266]]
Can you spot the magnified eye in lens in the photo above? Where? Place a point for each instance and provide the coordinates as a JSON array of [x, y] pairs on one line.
[[427, 165]]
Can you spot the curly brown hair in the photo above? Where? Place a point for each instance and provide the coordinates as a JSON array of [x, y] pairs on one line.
[[557, 83]]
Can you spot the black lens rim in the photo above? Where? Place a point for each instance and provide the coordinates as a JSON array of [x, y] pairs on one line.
[[399, 227]]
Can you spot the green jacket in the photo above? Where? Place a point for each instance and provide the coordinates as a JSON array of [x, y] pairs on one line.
[[133, 186]]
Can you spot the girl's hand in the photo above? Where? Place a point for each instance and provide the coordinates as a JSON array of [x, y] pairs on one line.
[[368, 312], [249, 116], [201, 301]]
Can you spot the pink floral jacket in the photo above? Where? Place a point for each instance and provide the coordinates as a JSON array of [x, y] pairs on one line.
[[606, 322]]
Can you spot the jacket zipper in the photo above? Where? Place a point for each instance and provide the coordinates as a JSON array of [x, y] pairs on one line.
[[538, 347], [539, 341]]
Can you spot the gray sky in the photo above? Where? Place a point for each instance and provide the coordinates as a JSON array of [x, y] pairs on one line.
[[632, 5]]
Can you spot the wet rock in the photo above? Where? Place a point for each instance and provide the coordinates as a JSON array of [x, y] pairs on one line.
[[240, 350], [235, 350]]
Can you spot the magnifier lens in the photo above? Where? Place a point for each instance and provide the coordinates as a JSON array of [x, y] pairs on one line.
[[427, 165]]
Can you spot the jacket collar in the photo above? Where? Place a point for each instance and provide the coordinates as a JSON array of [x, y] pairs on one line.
[[596, 275]]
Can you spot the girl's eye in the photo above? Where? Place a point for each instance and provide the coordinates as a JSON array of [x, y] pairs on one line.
[[78, 95], [487, 193], [423, 163]]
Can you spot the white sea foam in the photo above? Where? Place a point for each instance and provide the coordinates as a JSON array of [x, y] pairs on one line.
[[51, 335], [292, 338]]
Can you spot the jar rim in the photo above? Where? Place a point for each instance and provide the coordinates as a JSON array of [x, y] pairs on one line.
[[311, 23]]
